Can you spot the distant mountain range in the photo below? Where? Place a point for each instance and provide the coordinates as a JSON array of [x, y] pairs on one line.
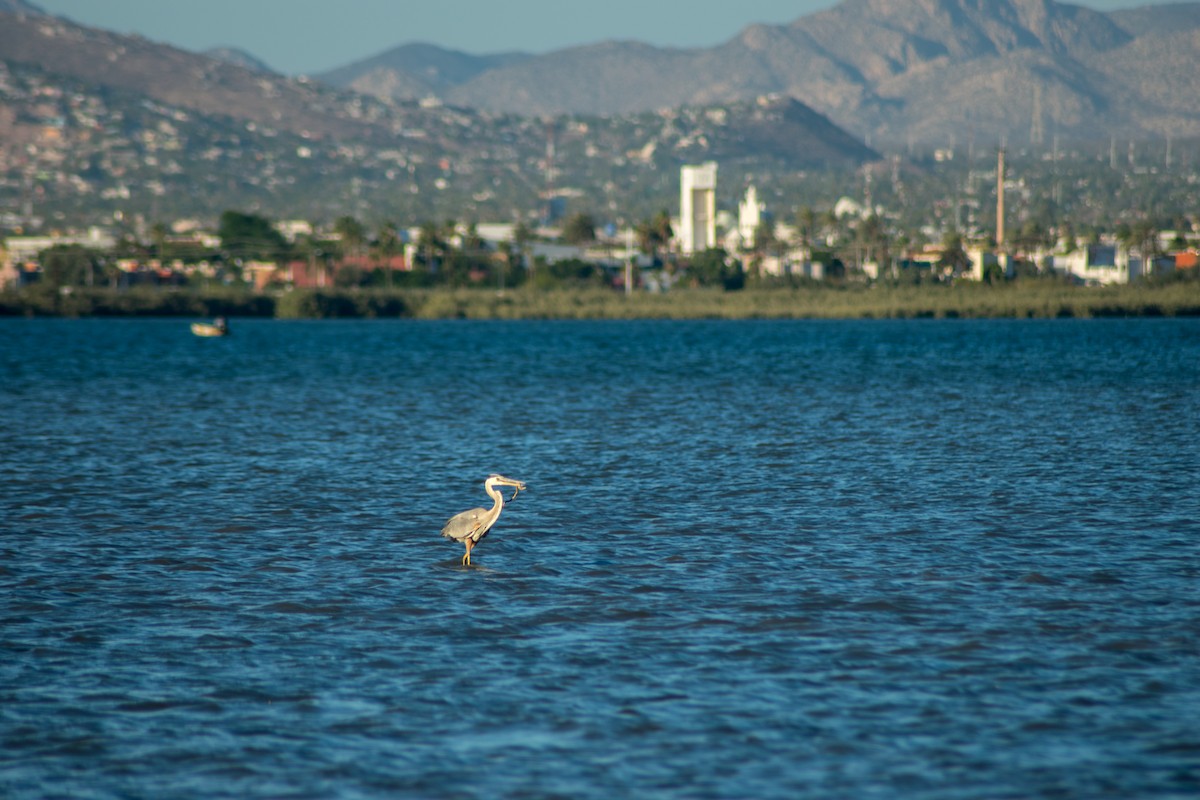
[[230, 84], [895, 71], [176, 77], [19, 7], [891, 72], [90, 120]]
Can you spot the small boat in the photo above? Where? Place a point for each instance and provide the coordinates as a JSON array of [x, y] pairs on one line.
[[218, 327]]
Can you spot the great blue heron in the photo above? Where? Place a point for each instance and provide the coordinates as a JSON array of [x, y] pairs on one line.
[[471, 526]]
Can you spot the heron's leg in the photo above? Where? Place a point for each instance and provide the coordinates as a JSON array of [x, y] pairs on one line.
[[467, 557]]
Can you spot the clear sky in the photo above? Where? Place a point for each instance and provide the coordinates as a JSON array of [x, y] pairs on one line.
[[310, 36]]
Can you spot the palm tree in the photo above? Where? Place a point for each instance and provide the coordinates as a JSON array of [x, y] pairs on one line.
[[472, 242], [765, 243], [872, 238], [158, 233], [1032, 236], [953, 254], [310, 249], [1142, 236], [654, 234], [387, 246], [352, 233], [830, 225], [806, 226], [431, 247], [518, 254]]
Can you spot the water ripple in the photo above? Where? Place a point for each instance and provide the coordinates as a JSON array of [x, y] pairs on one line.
[[929, 559]]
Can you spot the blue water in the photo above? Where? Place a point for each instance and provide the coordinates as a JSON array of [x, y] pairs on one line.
[[934, 559]]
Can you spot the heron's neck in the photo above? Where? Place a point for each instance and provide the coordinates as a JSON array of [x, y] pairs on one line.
[[496, 496]]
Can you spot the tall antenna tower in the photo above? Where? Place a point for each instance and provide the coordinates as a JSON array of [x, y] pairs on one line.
[[1037, 129], [551, 157], [1000, 173], [549, 174]]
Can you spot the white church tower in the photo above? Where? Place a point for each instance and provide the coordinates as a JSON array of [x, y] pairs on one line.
[[750, 216]]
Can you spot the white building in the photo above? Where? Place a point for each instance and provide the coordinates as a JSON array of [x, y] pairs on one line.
[[698, 207], [1103, 264], [292, 229], [981, 259]]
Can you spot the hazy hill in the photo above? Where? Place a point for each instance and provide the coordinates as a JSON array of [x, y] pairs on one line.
[[1165, 19], [414, 71], [238, 57], [891, 70], [19, 7], [773, 129], [213, 85], [177, 77]]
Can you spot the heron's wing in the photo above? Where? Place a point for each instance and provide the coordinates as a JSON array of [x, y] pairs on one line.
[[462, 525]]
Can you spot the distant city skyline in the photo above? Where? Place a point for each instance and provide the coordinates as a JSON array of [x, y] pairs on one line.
[[311, 36]]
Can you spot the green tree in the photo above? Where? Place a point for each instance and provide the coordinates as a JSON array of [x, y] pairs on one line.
[[1031, 236], [872, 239], [571, 272], [1066, 234], [953, 254], [387, 246], [68, 265], [764, 237], [353, 236], [713, 267], [579, 229], [654, 234], [806, 226], [431, 246], [518, 251], [250, 237], [318, 255], [1141, 236], [830, 224], [764, 242], [158, 234]]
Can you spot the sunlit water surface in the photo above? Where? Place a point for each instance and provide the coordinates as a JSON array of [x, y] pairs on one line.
[[756, 559]]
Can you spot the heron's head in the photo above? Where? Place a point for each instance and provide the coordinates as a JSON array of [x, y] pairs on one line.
[[500, 480]]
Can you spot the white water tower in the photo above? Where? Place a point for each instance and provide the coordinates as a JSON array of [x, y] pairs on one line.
[[698, 207]]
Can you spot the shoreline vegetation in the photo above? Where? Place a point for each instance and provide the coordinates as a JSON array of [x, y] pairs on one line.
[[1023, 299]]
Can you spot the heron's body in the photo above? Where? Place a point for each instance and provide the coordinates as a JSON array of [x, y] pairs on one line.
[[470, 526]]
